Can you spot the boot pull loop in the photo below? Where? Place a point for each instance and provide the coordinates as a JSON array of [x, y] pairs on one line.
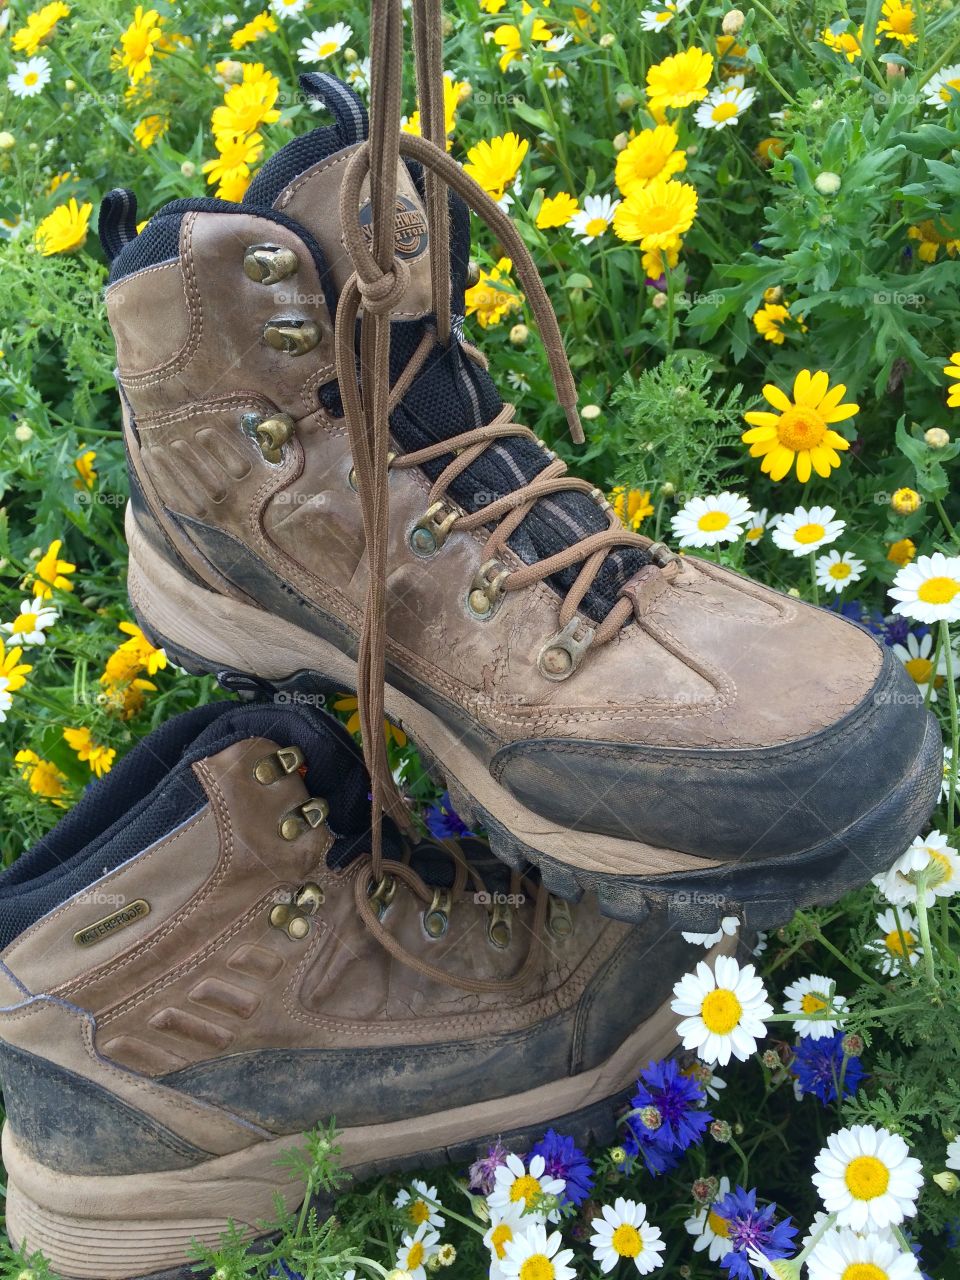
[[348, 111], [117, 224]]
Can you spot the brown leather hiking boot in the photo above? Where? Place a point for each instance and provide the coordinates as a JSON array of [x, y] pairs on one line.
[[198, 964], [660, 730]]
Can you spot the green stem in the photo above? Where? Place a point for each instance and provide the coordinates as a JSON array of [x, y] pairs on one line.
[[847, 963], [954, 725], [945, 520], [814, 587], [923, 920]]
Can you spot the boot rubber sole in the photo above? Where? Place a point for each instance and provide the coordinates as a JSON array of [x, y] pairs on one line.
[[141, 1226], [206, 632]]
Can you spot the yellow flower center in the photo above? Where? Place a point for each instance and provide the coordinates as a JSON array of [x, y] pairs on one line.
[[31, 78], [755, 534], [839, 570], [894, 945], [719, 1226], [24, 622], [527, 1189], [812, 1003], [596, 226], [328, 47], [724, 111], [537, 1267], [864, 1271], [721, 1011], [867, 1177], [801, 428], [941, 860], [499, 1237], [414, 1256], [919, 669], [809, 533], [938, 590], [418, 1212], [626, 1241], [712, 521], [945, 93]]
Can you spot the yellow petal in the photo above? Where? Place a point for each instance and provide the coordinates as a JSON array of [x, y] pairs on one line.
[[781, 460], [835, 439], [759, 433], [803, 466], [842, 412], [757, 418], [822, 460], [779, 399], [833, 397]]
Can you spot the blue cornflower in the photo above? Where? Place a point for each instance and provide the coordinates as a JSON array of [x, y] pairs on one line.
[[285, 1273], [482, 1174], [564, 1159], [818, 1064], [752, 1228], [443, 821], [667, 1116]]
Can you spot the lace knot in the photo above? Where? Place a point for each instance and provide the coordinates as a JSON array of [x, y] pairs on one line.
[[382, 293]]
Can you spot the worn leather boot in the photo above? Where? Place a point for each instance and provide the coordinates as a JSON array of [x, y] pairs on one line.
[[652, 727], [199, 964]]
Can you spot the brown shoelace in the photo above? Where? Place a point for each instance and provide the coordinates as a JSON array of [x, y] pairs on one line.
[[377, 285]]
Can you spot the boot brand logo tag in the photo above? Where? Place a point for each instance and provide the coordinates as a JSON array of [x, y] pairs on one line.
[[112, 923], [411, 227]]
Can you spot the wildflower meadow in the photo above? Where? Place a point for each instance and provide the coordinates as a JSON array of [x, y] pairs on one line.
[[748, 220]]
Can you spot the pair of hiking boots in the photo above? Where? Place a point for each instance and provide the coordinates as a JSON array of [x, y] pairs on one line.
[[224, 943]]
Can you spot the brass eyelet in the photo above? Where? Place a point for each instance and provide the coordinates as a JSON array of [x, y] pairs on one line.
[[382, 894], [352, 473], [293, 335], [436, 918], [500, 926], [563, 653], [311, 814], [660, 554], [432, 530], [293, 917], [269, 263], [270, 433], [279, 764], [487, 590], [559, 918]]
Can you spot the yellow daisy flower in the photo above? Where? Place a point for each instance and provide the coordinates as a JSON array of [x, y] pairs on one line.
[[952, 370], [454, 92], [492, 6], [65, 229], [680, 79], [140, 651], [237, 154], [58, 180], [510, 40], [40, 28], [13, 672], [50, 572], [846, 42], [774, 319], [800, 431], [86, 475], [494, 296], [556, 211], [126, 700], [631, 505], [262, 25], [149, 129], [933, 237], [44, 779], [896, 22], [902, 551], [348, 702], [495, 164], [99, 758], [138, 43], [656, 262], [651, 154], [248, 105], [657, 215]]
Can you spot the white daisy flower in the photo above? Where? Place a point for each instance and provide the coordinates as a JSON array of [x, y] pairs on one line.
[[803, 531], [868, 1178], [819, 1218], [27, 79], [728, 926], [760, 945], [917, 656], [505, 1225], [558, 42], [517, 1184], [837, 570], [947, 767], [624, 1232], [844, 1253], [288, 8], [556, 77], [320, 45], [711, 1231], [705, 522], [944, 87], [724, 105], [358, 74], [594, 219], [757, 525], [416, 1250], [889, 947], [508, 197], [722, 1011], [928, 589], [953, 1154], [534, 1253], [517, 380], [421, 1207], [899, 884], [815, 994], [708, 1082], [31, 622], [657, 19]]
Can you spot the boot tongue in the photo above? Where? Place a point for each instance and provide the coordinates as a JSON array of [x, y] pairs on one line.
[[303, 181], [452, 394]]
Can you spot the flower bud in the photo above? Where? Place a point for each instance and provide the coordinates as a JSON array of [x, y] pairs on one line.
[[23, 432], [905, 501], [733, 22], [852, 1045], [721, 1131], [658, 301], [650, 1118], [937, 437], [617, 1155], [188, 169], [705, 1190], [770, 1059], [626, 99], [607, 39], [7, 140], [519, 334], [667, 490], [947, 1182], [827, 183], [620, 142], [589, 412]]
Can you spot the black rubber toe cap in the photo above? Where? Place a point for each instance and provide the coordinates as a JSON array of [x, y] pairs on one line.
[[719, 803]]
